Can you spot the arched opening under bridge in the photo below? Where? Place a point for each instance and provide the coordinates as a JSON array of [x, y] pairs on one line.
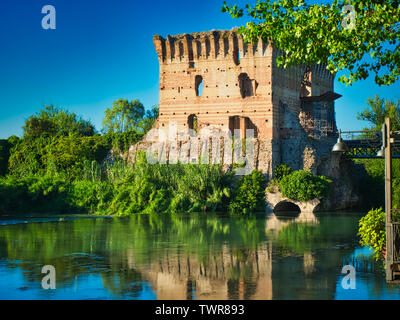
[[287, 208]]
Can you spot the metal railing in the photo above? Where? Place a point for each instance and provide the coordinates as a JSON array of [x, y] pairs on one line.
[[367, 143], [365, 136]]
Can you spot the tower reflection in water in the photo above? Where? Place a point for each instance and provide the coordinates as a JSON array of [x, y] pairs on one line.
[[188, 256]]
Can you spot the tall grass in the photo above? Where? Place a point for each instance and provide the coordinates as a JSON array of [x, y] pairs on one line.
[[120, 188]]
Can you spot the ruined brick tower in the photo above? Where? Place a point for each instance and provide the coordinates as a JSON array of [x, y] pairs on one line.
[[214, 79]]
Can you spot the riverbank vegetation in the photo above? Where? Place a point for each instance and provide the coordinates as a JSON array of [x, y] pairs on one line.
[[123, 189], [302, 185], [62, 165], [369, 175], [372, 232], [299, 185]]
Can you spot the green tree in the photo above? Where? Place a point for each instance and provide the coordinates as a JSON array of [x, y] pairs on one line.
[[149, 119], [52, 121], [55, 140], [4, 155], [324, 33], [69, 153], [123, 116], [249, 194], [378, 109]]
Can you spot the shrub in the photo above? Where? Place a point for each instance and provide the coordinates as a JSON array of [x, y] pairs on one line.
[[249, 195], [302, 185], [273, 186], [202, 188], [119, 188], [281, 171], [4, 155], [33, 194], [66, 154], [90, 196], [13, 194], [372, 231], [137, 194], [121, 141]]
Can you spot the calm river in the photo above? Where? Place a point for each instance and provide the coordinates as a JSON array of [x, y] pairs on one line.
[[188, 257]]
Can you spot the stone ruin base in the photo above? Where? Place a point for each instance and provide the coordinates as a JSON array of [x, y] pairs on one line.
[[276, 198]]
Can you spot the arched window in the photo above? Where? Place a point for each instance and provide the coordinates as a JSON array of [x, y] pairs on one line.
[[192, 123], [198, 84]]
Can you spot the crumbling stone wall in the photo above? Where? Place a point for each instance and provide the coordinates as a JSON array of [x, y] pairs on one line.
[[223, 82], [215, 81]]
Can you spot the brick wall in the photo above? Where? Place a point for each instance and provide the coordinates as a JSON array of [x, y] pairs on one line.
[[222, 82]]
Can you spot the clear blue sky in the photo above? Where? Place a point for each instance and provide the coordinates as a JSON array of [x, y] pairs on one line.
[[102, 50]]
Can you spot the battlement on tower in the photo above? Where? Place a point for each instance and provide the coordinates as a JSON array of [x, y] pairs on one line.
[[216, 44]]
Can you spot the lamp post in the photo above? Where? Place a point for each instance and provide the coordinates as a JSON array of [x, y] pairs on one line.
[[387, 147], [386, 152], [381, 153], [339, 146]]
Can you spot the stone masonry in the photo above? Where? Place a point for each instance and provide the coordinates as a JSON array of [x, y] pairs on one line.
[[216, 81]]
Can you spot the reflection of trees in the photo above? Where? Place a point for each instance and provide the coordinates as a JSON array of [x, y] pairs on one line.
[[315, 248], [184, 257], [194, 251], [300, 237]]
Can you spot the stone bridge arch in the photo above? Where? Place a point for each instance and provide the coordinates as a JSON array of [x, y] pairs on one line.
[[275, 201], [286, 206]]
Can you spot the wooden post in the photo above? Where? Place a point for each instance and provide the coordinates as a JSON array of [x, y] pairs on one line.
[[388, 202]]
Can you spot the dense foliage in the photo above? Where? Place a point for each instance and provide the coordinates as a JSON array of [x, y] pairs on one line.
[[369, 179], [125, 116], [361, 39], [372, 231], [302, 185], [58, 142], [249, 195], [121, 141], [56, 154], [141, 188], [60, 165], [369, 174], [4, 156], [298, 185], [54, 121], [281, 171]]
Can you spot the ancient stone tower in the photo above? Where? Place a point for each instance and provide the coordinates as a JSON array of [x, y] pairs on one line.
[[217, 80]]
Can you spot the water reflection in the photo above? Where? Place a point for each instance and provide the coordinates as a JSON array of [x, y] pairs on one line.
[[277, 221], [182, 257]]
